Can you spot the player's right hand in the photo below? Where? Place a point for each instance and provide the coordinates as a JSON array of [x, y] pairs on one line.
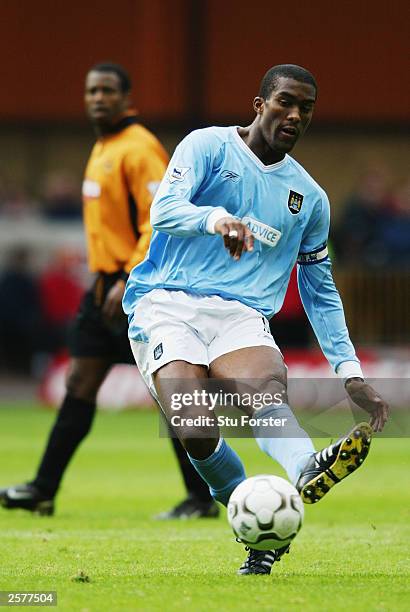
[[236, 236]]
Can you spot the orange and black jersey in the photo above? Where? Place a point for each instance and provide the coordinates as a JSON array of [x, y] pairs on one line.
[[121, 177]]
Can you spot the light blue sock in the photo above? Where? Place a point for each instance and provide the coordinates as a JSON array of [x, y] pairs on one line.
[[223, 471], [289, 445]]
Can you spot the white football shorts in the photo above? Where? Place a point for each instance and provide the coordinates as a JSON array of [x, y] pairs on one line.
[[179, 326]]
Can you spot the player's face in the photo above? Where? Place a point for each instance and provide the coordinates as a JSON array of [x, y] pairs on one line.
[[104, 100], [286, 114]]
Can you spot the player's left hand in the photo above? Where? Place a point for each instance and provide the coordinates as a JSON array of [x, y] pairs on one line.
[[367, 398], [112, 308]]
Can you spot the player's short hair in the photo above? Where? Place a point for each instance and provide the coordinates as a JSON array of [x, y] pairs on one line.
[[124, 77], [289, 71]]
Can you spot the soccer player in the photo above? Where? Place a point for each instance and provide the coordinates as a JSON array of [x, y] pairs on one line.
[[122, 174], [198, 305]]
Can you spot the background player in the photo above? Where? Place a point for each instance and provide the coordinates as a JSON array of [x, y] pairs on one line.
[[241, 183], [122, 174]]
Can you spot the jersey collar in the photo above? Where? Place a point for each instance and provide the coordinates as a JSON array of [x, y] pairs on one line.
[[255, 158], [129, 118]]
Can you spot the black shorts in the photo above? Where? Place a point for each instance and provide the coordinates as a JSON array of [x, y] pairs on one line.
[[90, 336]]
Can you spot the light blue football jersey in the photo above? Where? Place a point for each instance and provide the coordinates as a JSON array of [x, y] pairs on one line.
[[286, 210]]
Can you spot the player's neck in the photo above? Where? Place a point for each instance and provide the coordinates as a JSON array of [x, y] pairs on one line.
[[100, 130], [252, 137], [103, 129], [116, 125]]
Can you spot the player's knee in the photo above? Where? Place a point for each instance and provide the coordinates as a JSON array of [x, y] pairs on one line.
[[194, 425], [82, 386], [276, 386], [269, 391], [198, 432]]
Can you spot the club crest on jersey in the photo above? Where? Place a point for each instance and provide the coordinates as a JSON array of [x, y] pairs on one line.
[[295, 202], [230, 175], [177, 173], [158, 351], [264, 233]]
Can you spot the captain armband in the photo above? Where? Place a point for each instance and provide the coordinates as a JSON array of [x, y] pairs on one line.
[[316, 256]]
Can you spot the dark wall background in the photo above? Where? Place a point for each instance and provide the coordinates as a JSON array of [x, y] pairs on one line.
[[195, 60], [198, 62], [355, 48]]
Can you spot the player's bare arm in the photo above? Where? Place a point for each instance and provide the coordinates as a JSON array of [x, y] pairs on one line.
[[367, 398], [236, 236]]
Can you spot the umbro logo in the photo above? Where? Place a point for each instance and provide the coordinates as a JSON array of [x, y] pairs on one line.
[[232, 176]]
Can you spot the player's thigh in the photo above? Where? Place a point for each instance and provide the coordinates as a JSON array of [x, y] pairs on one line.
[[89, 335], [251, 362], [252, 370], [86, 375]]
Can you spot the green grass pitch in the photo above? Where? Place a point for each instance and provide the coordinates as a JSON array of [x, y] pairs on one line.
[[352, 552]]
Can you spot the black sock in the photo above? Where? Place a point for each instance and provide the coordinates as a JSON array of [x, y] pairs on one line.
[[73, 423], [194, 484]]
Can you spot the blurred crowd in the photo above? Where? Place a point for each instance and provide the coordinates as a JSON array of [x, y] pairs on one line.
[[372, 230], [36, 309], [371, 227], [374, 226], [59, 198], [38, 304]]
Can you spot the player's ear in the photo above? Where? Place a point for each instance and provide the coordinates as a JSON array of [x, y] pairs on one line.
[[258, 105]]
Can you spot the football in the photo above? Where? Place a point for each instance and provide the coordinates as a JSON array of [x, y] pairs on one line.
[[265, 512]]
